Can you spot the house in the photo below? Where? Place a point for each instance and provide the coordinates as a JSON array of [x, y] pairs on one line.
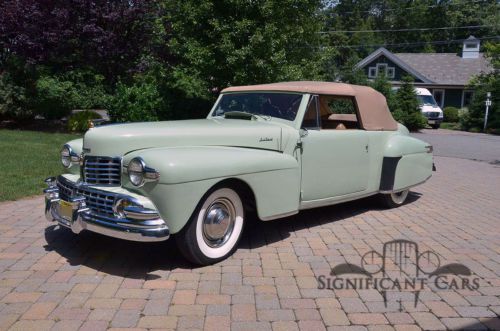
[[446, 75]]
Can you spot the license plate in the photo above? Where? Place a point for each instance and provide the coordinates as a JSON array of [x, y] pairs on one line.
[[66, 210], [432, 122]]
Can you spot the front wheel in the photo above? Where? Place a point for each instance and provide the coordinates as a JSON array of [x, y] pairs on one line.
[[392, 200], [215, 228], [435, 126]]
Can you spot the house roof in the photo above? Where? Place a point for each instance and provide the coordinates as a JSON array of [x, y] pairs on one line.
[[372, 106], [434, 68], [446, 68]]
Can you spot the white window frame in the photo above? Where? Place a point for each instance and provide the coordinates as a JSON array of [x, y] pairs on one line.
[[370, 75], [442, 98], [463, 96]]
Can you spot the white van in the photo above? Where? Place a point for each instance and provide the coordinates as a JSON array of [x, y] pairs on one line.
[[429, 107]]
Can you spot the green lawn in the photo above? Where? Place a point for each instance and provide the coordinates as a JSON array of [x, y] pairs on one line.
[[26, 159]]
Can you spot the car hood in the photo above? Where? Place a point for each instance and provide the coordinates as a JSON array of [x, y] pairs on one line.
[[120, 139]]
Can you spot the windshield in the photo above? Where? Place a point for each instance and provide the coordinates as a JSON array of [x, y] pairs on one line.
[[427, 100], [280, 105]]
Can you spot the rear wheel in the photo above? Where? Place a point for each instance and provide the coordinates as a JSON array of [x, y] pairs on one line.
[[215, 228], [392, 200], [435, 126]]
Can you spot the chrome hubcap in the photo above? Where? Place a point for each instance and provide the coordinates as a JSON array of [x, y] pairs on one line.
[[218, 222]]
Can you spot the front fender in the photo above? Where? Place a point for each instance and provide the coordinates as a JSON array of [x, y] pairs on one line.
[[187, 173]]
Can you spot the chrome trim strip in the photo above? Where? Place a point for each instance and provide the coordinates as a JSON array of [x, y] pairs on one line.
[[273, 217], [333, 201], [406, 188]]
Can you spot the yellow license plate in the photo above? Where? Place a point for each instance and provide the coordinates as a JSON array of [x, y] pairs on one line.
[[66, 210]]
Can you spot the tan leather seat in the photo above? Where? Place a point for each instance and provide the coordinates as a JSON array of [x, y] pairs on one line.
[[340, 126]]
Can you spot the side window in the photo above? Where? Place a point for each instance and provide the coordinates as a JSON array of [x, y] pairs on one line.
[[338, 113], [311, 117]]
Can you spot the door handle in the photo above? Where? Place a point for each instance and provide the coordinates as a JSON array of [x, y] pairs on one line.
[[366, 147]]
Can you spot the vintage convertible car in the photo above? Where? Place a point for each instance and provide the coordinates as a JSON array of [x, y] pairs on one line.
[[265, 150]]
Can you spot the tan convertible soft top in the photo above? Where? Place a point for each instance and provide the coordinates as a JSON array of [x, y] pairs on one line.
[[372, 106]]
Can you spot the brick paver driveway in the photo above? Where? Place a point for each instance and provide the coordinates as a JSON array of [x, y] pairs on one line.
[[51, 279]]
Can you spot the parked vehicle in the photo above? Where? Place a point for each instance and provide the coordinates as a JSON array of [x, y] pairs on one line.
[[429, 107], [265, 150]]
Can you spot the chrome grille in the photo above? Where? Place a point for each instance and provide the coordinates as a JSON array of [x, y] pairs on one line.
[[102, 170], [99, 202]]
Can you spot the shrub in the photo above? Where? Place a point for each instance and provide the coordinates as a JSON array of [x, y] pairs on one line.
[[13, 99], [450, 114], [407, 108], [54, 97], [413, 121], [138, 102], [79, 122], [90, 92]]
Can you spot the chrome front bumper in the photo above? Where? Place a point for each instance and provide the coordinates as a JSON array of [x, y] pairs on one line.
[[75, 212]]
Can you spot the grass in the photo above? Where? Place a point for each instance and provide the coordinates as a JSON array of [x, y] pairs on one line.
[[26, 159]]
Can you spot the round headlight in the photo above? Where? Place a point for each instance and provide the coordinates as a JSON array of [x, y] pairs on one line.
[[136, 171], [66, 156]]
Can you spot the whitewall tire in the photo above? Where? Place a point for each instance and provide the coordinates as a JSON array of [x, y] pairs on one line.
[[396, 199], [215, 228]]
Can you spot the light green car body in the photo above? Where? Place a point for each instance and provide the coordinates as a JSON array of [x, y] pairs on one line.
[[287, 169]]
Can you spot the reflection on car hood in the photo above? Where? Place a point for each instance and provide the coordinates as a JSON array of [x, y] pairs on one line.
[[120, 139]]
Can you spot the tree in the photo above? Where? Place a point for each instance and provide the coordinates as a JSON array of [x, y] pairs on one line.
[[382, 85], [109, 36], [233, 42], [407, 109], [482, 84]]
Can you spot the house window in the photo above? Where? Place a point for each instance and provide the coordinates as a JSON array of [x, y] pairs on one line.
[[439, 97], [381, 69], [390, 72], [372, 72], [466, 98]]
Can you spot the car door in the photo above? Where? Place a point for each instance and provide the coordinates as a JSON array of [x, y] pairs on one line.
[[335, 151]]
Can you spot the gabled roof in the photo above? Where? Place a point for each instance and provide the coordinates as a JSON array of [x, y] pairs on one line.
[[396, 60], [446, 68], [435, 68]]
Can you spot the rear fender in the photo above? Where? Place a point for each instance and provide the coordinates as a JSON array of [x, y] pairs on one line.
[[407, 162]]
